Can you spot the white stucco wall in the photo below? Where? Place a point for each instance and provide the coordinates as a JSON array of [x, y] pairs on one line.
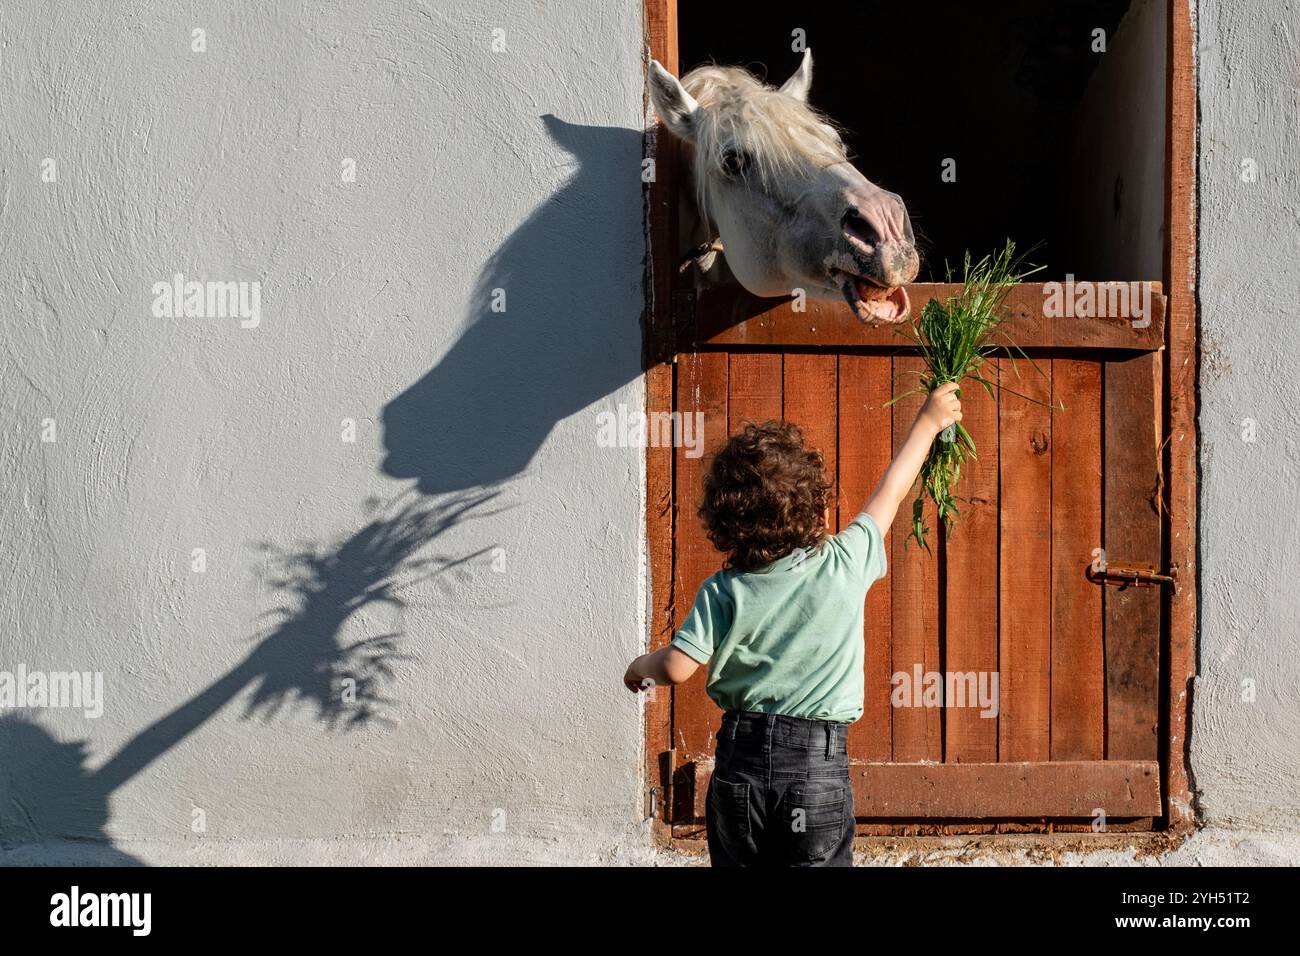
[[1246, 755], [476, 169]]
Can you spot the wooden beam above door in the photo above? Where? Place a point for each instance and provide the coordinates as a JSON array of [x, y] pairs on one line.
[[729, 316]]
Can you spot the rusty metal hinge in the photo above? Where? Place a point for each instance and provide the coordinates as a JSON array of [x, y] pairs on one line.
[[660, 799], [683, 316], [1124, 574]]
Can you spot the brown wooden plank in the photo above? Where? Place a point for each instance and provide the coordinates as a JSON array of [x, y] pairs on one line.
[[1121, 833], [971, 589], [657, 354], [914, 639], [1132, 532], [754, 389], [880, 840], [975, 790], [809, 398], [865, 449], [728, 315], [1181, 367], [972, 791], [701, 387], [659, 545], [1078, 688], [1025, 618]]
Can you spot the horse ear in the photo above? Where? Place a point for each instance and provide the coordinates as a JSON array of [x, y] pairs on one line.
[[799, 84], [676, 108]]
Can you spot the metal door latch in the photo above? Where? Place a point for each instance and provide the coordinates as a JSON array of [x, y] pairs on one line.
[[1124, 574]]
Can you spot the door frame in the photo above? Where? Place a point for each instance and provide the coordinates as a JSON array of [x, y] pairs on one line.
[[1180, 455]]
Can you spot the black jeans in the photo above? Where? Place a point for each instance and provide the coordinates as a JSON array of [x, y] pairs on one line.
[[780, 794]]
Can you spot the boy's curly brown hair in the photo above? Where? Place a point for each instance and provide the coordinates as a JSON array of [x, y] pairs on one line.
[[764, 495]]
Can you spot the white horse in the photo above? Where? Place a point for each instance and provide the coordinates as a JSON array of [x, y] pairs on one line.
[[776, 194]]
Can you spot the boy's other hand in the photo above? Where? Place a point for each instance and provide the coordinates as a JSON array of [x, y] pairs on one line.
[[666, 667], [942, 407], [633, 679]]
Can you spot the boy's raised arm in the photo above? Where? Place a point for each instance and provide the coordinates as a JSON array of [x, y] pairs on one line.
[[941, 409]]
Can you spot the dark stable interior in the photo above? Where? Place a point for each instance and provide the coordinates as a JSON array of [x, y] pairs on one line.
[[991, 85]]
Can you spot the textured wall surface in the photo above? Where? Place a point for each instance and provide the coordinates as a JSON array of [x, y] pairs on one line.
[[472, 560], [1245, 749]]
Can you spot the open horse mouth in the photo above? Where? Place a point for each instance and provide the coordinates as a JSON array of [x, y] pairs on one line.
[[871, 302]]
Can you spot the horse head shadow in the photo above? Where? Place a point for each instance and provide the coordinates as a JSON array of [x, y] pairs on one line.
[[560, 343]]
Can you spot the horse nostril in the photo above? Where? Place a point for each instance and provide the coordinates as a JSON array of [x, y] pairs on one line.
[[855, 224]]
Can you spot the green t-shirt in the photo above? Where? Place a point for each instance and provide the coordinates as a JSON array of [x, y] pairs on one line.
[[788, 638]]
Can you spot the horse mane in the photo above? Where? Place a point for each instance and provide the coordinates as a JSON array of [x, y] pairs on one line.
[[780, 133]]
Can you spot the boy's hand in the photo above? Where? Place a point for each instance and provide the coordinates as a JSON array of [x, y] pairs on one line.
[[633, 678], [942, 407]]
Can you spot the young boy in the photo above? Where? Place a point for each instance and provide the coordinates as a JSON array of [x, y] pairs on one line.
[[781, 627]]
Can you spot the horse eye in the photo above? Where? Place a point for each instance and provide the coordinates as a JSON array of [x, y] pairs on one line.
[[734, 161]]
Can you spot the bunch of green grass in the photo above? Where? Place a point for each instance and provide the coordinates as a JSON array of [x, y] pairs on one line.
[[954, 339]]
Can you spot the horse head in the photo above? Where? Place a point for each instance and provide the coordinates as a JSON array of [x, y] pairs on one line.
[[773, 183]]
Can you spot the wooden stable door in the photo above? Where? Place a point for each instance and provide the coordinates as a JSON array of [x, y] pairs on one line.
[[1053, 495]]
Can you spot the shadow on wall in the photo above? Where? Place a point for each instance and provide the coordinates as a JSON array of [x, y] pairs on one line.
[[47, 792], [473, 422], [479, 416]]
